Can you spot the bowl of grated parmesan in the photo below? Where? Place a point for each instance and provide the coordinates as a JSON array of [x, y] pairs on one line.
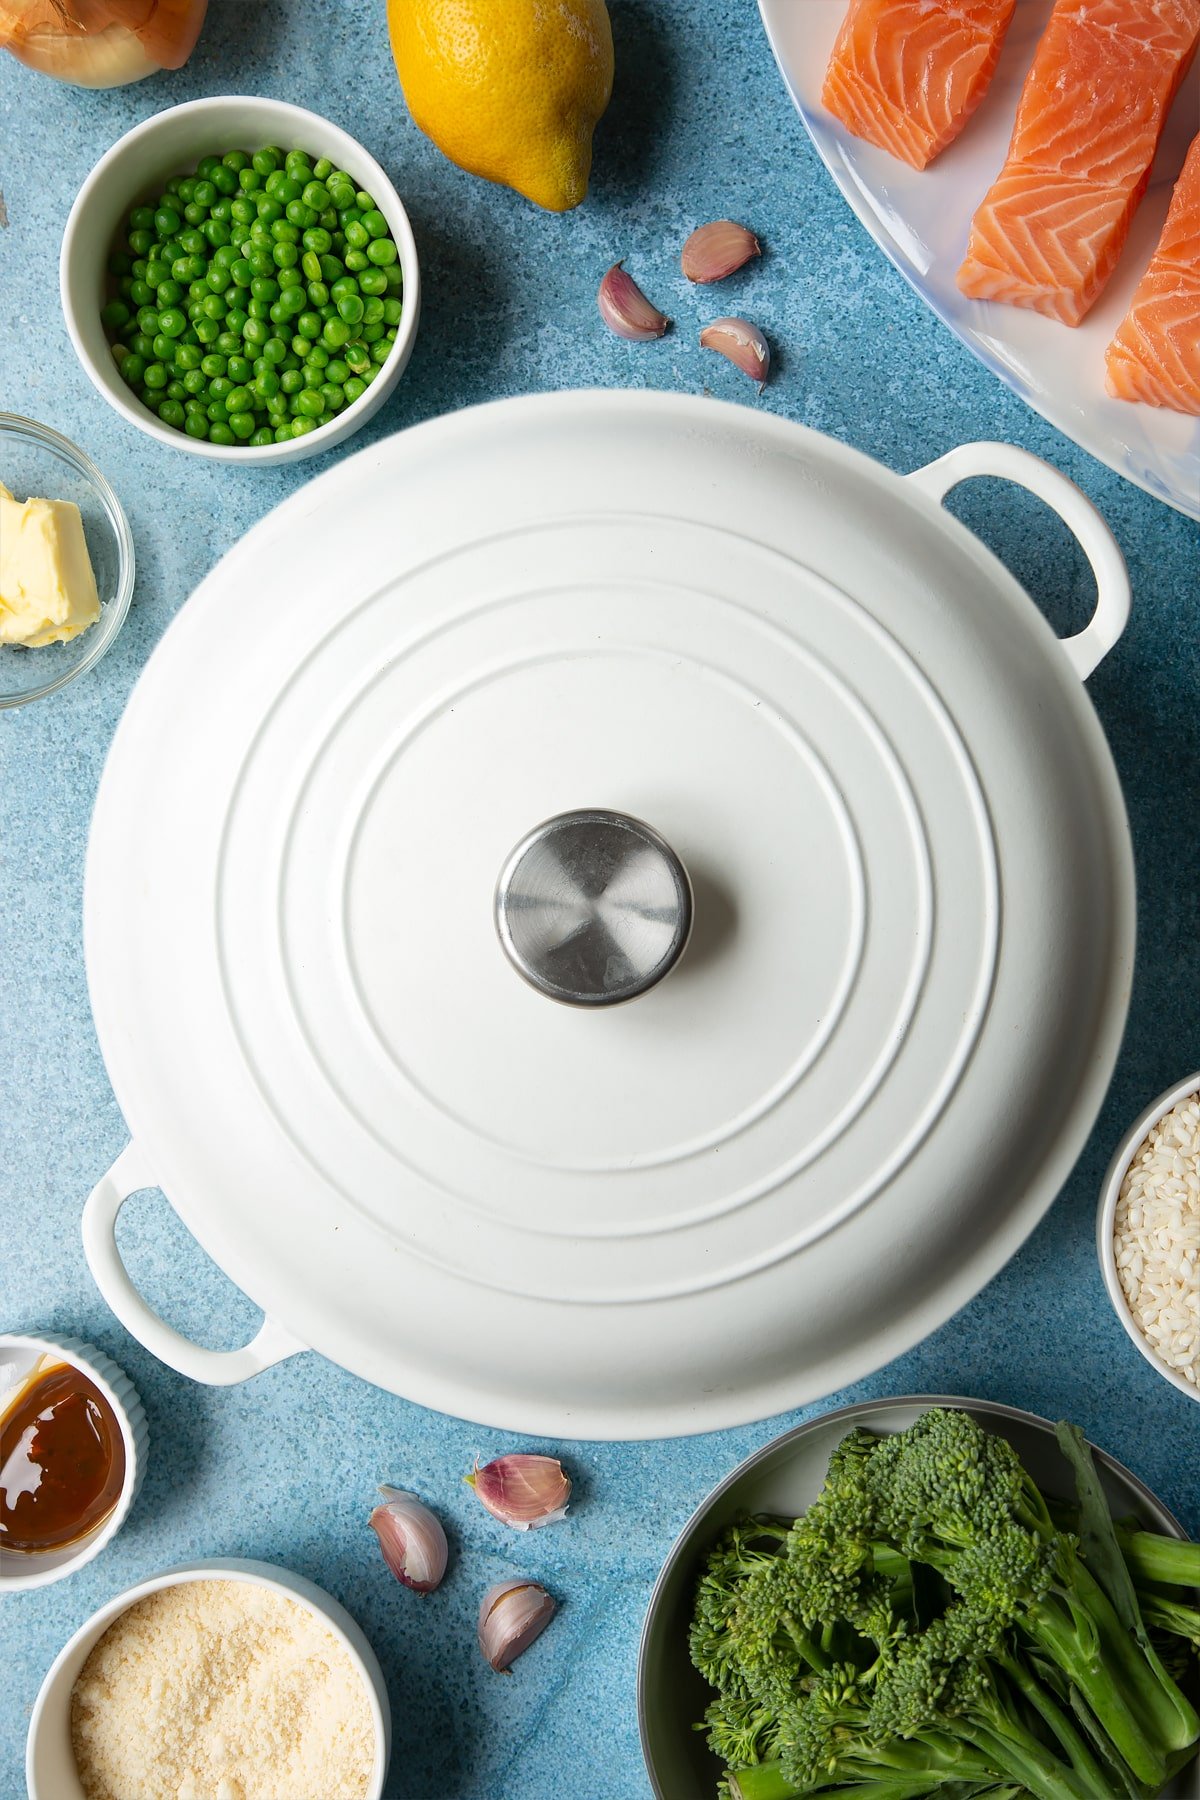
[[1148, 1235], [228, 1680]]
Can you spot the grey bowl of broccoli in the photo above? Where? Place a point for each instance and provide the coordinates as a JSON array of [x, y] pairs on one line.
[[925, 1596]]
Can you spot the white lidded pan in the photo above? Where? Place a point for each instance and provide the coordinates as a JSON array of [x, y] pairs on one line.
[[355, 845]]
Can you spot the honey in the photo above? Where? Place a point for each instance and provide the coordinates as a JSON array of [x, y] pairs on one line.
[[62, 1461]]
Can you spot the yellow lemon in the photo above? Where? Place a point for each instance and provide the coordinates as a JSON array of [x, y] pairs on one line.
[[508, 89]]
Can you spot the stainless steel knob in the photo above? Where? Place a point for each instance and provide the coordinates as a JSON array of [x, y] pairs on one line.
[[593, 908]]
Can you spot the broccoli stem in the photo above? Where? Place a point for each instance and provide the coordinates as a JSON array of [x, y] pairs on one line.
[[766, 1781], [1152, 1557], [1161, 1613], [1080, 1756]]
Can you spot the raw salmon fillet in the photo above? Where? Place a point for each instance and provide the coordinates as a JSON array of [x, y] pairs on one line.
[[1051, 228], [1155, 355], [908, 74]]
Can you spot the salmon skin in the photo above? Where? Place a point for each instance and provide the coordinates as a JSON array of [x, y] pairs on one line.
[[908, 74], [1053, 224], [1155, 355]]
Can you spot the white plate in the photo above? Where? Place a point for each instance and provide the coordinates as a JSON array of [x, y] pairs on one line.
[[882, 1050], [921, 218]]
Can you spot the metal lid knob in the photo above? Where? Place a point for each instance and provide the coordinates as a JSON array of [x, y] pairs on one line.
[[593, 908]]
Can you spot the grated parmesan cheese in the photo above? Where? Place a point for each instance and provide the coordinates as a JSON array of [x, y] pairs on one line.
[[221, 1690]]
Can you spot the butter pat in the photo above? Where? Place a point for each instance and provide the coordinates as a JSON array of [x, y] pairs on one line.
[[47, 587]]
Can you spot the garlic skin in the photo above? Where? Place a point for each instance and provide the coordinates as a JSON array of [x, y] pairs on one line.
[[511, 1615], [523, 1491], [717, 250], [412, 1540], [743, 344], [626, 310]]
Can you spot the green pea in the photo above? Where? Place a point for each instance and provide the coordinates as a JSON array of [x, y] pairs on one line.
[[373, 281], [249, 180], [172, 323], [222, 210], [166, 221], [207, 330], [217, 412], [219, 278], [255, 331], [266, 385], [216, 233], [333, 396], [265, 162], [220, 387], [283, 433], [225, 180], [242, 273], [141, 293], [316, 360], [301, 427], [193, 243], [260, 259], [269, 210], [244, 211], [133, 368], [229, 343], [285, 255], [279, 314], [301, 345], [300, 217], [327, 312], [329, 220], [156, 375], [219, 433], [350, 309], [358, 357], [163, 347], [318, 240], [187, 356], [371, 334], [170, 293], [214, 364], [288, 188], [139, 343], [263, 288], [382, 251], [310, 404], [337, 369], [235, 318], [392, 310], [357, 235], [239, 399], [142, 218], [115, 314], [213, 307], [274, 350], [263, 436], [291, 381], [147, 318], [196, 381], [196, 425], [239, 370], [335, 333], [258, 309], [354, 389], [341, 190], [375, 222], [357, 261], [380, 351], [193, 214], [318, 294], [172, 413], [310, 263]]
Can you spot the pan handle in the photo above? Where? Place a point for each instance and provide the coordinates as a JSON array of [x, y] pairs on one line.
[[1089, 647], [218, 1368]]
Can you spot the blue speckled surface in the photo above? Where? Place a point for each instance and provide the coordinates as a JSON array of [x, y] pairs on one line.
[[285, 1467]]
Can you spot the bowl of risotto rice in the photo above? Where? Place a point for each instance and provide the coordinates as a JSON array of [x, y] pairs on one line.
[[1148, 1235]]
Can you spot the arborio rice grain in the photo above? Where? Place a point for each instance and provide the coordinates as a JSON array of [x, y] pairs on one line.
[[1156, 1236]]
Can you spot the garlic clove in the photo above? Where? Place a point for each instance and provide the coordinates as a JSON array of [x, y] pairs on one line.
[[412, 1540], [523, 1491], [716, 250], [626, 310], [511, 1615], [743, 344]]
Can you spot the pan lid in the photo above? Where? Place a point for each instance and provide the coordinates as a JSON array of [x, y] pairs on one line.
[[535, 704]]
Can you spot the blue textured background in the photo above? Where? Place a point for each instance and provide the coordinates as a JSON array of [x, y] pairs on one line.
[[285, 1467]]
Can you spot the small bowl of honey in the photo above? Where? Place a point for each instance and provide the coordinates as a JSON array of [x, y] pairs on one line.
[[72, 1455]]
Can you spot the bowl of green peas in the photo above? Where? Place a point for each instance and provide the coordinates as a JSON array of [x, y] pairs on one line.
[[240, 281]]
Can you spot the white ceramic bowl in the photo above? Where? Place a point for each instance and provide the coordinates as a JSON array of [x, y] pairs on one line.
[[20, 1354], [1106, 1215], [50, 1772], [171, 143]]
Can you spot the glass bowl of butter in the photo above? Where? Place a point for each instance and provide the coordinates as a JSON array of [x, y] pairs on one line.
[[66, 561]]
